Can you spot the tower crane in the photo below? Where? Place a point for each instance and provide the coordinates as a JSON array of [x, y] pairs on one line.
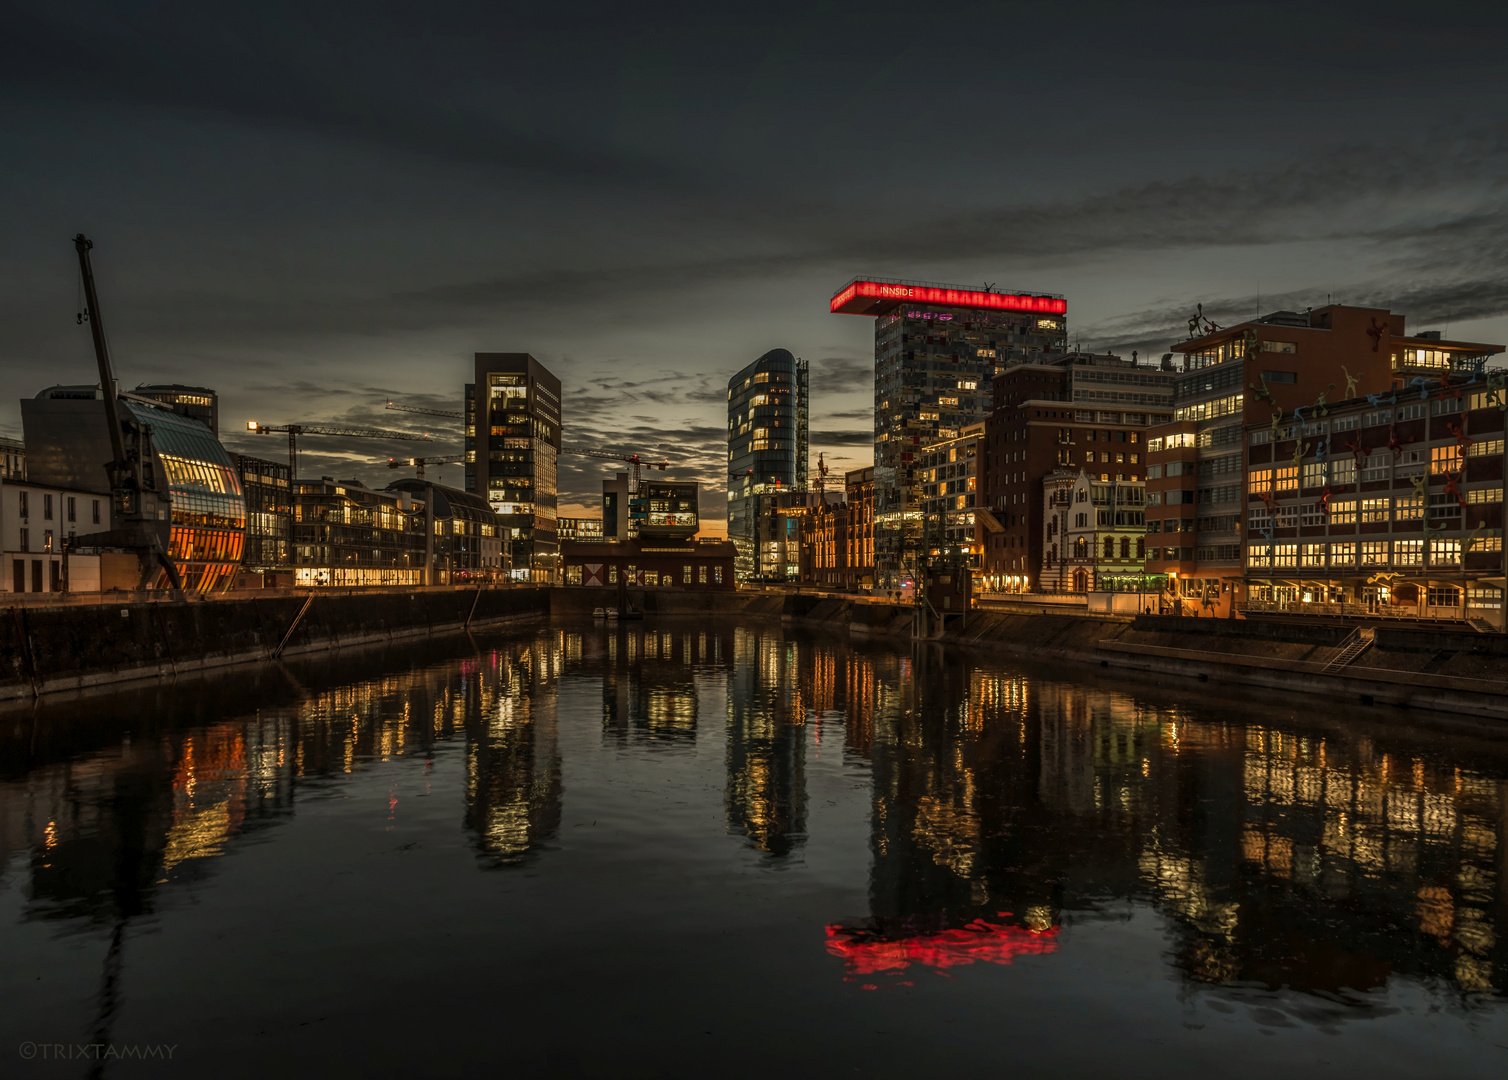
[[634, 461], [295, 430], [821, 476], [418, 463], [450, 413]]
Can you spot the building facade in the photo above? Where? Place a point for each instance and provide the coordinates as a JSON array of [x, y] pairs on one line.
[[196, 402], [1067, 411], [649, 564], [513, 428], [38, 527], [948, 474], [68, 443], [1093, 534], [936, 349], [767, 445], [1385, 508], [268, 489], [467, 543], [345, 534], [588, 529], [1256, 373], [12, 459]]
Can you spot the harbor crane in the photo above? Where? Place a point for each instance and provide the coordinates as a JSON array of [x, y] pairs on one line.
[[450, 413], [295, 430], [141, 510], [634, 462], [418, 463]]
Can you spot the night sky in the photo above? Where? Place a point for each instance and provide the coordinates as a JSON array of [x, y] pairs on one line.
[[313, 211]]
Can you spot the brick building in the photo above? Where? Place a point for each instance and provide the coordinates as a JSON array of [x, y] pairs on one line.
[[1237, 377], [649, 564], [1067, 411]]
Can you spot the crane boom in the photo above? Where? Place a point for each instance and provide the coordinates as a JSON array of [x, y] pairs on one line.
[[393, 405], [418, 463], [634, 461], [295, 430]]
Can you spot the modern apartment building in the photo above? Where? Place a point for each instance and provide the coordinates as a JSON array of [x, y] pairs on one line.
[[1257, 373], [268, 490], [936, 349], [767, 445], [513, 450], [1064, 411]]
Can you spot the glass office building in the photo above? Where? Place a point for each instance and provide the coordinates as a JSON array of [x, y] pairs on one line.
[[512, 455], [767, 445]]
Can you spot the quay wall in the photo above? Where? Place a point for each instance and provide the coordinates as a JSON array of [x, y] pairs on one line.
[[1459, 673], [76, 647]]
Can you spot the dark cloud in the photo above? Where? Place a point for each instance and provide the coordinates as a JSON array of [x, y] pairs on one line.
[[842, 438]]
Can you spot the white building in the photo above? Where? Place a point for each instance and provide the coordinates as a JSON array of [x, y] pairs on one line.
[[1093, 533], [35, 521]]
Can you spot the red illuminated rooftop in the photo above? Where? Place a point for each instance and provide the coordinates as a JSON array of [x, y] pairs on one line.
[[881, 296]]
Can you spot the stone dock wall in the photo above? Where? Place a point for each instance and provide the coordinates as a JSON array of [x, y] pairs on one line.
[[1462, 673], [78, 647]]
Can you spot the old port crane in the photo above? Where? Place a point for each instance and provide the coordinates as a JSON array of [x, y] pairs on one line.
[[295, 430], [635, 462], [142, 513]]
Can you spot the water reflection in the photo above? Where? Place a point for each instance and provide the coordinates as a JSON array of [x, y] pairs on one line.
[[1285, 850]]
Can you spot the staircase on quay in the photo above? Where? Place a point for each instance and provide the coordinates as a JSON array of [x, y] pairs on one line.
[[1355, 643]]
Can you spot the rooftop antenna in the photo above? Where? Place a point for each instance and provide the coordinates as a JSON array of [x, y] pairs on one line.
[[989, 286]]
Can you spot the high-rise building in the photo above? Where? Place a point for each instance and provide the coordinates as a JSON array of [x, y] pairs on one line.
[[512, 455], [767, 444], [936, 348]]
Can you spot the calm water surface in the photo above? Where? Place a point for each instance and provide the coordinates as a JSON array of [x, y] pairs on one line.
[[675, 849]]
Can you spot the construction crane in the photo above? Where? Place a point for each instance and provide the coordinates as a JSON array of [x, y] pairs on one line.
[[821, 476], [633, 460], [418, 463], [425, 412], [295, 430], [142, 511]]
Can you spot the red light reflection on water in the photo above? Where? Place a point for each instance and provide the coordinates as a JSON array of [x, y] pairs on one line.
[[867, 952]]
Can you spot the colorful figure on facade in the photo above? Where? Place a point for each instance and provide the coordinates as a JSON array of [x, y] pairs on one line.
[[1453, 487], [1319, 402], [1350, 383], [1375, 332]]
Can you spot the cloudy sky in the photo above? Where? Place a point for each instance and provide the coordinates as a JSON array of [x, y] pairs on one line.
[[314, 209]]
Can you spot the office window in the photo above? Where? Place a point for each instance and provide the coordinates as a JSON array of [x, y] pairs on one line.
[[612, 575], [47, 507], [717, 575], [1408, 507], [1343, 554], [1411, 552], [701, 575], [1374, 553], [573, 575], [1286, 478], [1312, 555], [1342, 471], [1485, 495], [1285, 555], [1314, 474], [1374, 509], [1445, 459], [685, 575], [72, 508], [1444, 552]]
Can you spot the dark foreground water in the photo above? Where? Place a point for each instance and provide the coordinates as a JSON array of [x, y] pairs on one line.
[[683, 850]]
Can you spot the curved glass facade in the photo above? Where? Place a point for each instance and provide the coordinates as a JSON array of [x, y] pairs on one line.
[[209, 508]]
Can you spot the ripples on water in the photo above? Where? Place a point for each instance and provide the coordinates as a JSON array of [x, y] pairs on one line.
[[852, 857]]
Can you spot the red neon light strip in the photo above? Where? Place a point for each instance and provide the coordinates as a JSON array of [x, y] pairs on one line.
[[1046, 305]]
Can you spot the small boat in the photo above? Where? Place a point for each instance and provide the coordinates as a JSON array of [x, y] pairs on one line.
[[612, 613], [599, 613]]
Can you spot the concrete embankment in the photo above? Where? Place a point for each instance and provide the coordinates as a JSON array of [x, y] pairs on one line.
[[49, 649], [574, 600], [1449, 672]]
